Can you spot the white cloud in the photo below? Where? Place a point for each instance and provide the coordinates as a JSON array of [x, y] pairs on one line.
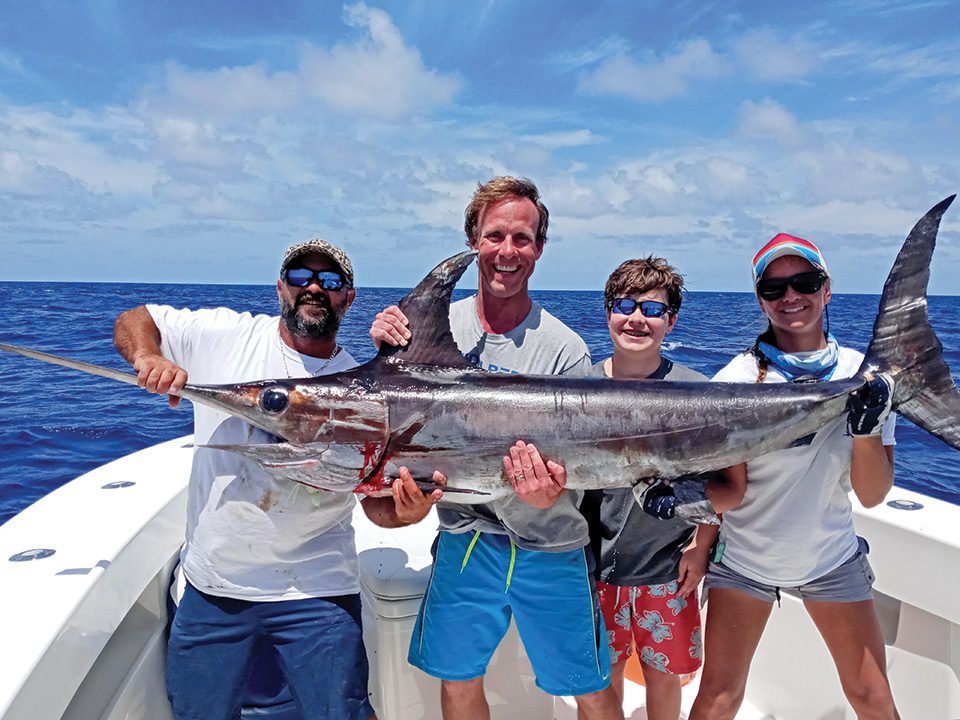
[[767, 56], [378, 76], [11, 64], [760, 54], [605, 49], [225, 93], [571, 138], [723, 180], [48, 200], [949, 91], [933, 61], [361, 141], [857, 173], [768, 119], [844, 217], [898, 62], [656, 79], [103, 149], [381, 77], [245, 142], [881, 8], [572, 198], [24, 177], [189, 144]]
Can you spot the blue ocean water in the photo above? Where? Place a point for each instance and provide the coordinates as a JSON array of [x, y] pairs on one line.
[[56, 424]]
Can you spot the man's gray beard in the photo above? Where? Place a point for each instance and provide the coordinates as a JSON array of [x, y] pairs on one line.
[[324, 326]]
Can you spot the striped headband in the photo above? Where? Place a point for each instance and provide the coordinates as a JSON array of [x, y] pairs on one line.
[[783, 245]]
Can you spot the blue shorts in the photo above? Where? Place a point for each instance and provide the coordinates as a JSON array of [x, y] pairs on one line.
[[214, 642], [479, 581], [851, 581]]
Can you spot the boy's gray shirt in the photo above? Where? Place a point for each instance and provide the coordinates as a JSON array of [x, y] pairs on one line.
[[540, 345], [631, 547]]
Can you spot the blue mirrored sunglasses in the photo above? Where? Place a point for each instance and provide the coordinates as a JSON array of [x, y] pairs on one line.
[[648, 308], [302, 277]]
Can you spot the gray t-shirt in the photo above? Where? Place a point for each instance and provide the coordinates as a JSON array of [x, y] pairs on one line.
[[631, 547], [540, 345]]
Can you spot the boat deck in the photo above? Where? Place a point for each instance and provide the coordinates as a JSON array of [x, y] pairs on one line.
[[84, 624]]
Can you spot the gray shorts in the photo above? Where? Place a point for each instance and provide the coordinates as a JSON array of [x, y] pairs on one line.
[[852, 581]]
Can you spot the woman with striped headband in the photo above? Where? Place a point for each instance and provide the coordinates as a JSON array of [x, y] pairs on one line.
[[793, 531]]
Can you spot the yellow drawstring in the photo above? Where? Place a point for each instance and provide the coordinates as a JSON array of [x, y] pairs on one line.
[[513, 557], [513, 561], [466, 556]]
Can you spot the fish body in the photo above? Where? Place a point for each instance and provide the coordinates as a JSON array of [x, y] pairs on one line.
[[426, 407], [607, 433]]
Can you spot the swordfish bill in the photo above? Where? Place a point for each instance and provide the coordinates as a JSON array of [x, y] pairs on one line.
[[221, 397], [426, 407]]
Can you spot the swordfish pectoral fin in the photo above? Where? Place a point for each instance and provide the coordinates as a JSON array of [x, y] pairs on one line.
[[429, 486], [325, 466], [467, 469]]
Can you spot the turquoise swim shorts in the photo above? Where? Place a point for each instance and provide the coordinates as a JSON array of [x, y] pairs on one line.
[[479, 581]]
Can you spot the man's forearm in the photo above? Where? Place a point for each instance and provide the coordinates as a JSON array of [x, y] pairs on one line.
[[135, 333], [382, 512]]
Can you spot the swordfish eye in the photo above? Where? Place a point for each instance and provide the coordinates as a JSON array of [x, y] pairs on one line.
[[274, 400]]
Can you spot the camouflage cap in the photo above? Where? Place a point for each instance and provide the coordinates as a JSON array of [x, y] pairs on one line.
[[321, 247]]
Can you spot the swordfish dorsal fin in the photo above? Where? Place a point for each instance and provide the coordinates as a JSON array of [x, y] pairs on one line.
[[427, 308]]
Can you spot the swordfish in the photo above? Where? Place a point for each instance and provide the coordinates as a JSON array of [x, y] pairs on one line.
[[426, 407]]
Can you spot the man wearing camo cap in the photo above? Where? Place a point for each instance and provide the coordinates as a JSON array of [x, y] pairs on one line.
[[270, 567]]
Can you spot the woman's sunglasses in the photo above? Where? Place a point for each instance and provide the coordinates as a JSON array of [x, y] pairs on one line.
[[805, 283], [648, 308], [302, 277]]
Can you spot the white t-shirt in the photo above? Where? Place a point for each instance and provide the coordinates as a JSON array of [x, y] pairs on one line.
[[250, 536], [795, 523]]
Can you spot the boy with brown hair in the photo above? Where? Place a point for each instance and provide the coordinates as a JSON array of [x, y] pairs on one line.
[[648, 568]]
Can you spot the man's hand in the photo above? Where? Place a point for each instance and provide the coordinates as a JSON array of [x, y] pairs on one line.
[[657, 499], [158, 375], [407, 506], [409, 502], [390, 327], [536, 483], [870, 406]]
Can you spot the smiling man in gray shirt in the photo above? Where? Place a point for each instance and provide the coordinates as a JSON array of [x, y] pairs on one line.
[[525, 556]]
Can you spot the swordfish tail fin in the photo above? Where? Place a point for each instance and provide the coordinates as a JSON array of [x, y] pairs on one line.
[[905, 345]]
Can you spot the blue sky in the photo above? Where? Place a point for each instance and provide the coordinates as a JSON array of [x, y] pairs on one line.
[[193, 141]]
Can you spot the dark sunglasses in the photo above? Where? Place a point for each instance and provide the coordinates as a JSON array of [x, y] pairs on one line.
[[302, 277], [648, 308], [805, 283]]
